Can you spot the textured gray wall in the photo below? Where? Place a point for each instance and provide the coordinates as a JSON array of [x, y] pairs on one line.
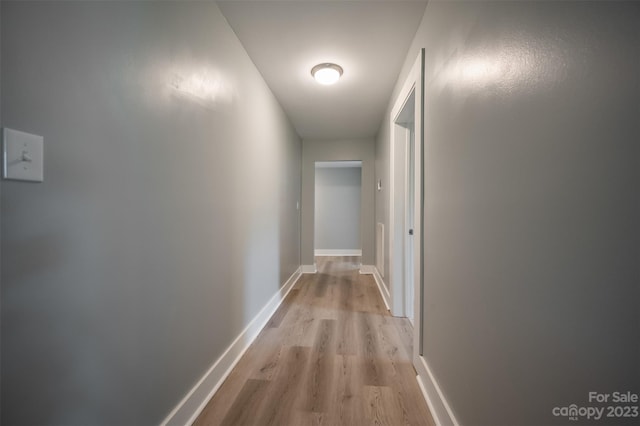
[[337, 215], [532, 204], [167, 218], [338, 150]]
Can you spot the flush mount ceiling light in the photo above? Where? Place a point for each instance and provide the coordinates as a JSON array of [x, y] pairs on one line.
[[326, 73]]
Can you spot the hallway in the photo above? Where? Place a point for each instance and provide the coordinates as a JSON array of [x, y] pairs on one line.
[[330, 355], [158, 208]]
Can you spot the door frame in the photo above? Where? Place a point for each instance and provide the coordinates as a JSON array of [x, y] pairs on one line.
[[336, 164], [412, 85], [400, 240]]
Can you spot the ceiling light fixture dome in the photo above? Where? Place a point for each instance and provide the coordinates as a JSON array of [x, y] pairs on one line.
[[327, 73]]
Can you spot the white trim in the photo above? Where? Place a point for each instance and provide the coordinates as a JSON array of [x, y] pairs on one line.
[[438, 405], [367, 269], [382, 288], [337, 252], [308, 269], [380, 248], [188, 409], [430, 404], [418, 275]]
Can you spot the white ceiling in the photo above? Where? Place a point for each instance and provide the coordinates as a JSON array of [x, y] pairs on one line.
[[368, 38]]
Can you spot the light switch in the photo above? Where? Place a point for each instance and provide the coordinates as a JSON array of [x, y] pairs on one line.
[[22, 156]]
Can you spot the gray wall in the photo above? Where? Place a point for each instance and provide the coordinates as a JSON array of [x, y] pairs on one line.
[[338, 150], [532, 204], [167, 218], [337, 214]]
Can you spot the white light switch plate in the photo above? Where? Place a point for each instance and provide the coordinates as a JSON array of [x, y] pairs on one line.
[[22, 156]]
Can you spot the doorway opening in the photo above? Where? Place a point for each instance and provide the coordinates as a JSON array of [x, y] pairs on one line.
[[338, 189], [403, 146]]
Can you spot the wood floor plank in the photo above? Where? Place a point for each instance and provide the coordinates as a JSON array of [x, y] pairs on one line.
[[319, 375], [411, 396], [282, 311], [331, 355], [348, 386], [246, 403], [403, 329], [371, 352], [382, 407], [374, 301], [307, 418], [266, 355], [325, 337], [284, 393], [346, 334], [321, 284], [346, 294], [301, 322]]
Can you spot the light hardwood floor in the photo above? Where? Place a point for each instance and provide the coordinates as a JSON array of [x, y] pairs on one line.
[[330, 355]]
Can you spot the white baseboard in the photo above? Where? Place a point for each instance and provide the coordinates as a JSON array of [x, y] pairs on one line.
[[188, 409], [337, 252], [438, 405], [308, 269], [382, 288]]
